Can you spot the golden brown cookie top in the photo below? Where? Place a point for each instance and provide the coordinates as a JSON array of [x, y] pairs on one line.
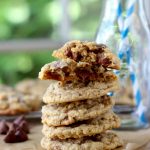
[[90, 52]]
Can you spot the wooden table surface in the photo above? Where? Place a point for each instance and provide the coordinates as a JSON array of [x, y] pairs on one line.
[[137, 140]]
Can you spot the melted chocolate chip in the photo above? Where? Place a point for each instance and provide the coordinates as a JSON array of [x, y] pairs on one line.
[[73, 55], [67, 74], [97, 51], [68, 52], [86, 82], [106, 62], [66, 71], [94, 138], [83, 74], [3, 127], [52, 75], [79, 57]]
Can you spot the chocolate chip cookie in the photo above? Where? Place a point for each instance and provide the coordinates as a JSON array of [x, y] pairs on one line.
[[68, 71], [13, 103], [97, 54]]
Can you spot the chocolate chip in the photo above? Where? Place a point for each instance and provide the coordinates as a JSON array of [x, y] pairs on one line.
[[68, 52], [86, 82], [16, 135], [10, 137], [79, 57], [17, 131], [18, 120], [3, 127], [83, 74], [103, 61], [106, 62], [20, 135], [97, 51], [76, 56], [94, 138]]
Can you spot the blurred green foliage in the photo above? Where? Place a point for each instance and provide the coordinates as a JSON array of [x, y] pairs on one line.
[[24, 18], [42, 18], [85, 15], [17, 66]]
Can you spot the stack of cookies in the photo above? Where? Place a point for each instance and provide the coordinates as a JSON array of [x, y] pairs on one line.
[[77, 114]]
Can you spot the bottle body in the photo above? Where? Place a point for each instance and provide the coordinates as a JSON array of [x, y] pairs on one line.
[[139, 40]]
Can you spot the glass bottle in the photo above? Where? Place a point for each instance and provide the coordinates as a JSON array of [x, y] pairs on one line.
[[139, 38]]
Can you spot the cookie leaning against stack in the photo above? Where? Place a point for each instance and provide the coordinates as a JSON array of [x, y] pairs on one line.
[[78, 112]]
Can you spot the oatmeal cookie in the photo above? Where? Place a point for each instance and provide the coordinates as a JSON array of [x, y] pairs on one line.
[[80, 129], [104, 141], [56, 93], [69, 113]]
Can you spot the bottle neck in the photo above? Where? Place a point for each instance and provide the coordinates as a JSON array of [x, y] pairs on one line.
[[109, 21]]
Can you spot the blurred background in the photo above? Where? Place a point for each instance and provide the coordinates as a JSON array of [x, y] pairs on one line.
[[30, 30]]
